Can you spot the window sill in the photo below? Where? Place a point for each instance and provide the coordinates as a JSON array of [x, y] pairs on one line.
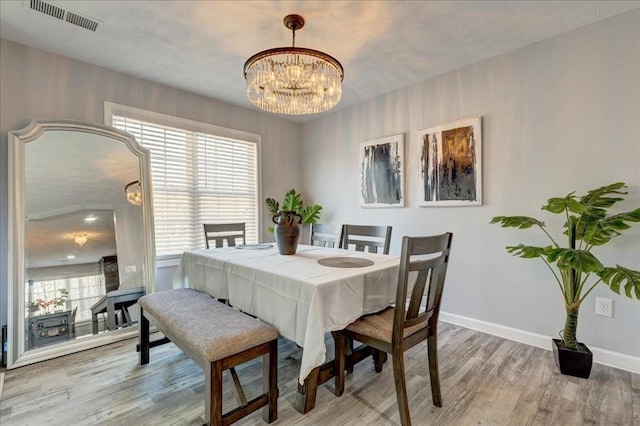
[[165, 263]]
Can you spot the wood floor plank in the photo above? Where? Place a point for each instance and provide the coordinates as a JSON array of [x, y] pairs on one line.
[[485, 380]]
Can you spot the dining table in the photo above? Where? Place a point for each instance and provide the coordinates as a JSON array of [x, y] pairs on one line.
[[305, 295]]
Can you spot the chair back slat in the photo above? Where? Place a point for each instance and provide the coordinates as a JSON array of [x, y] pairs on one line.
[[325, 235], [219, 233], [426, 291], [416, 294], [366, 237]]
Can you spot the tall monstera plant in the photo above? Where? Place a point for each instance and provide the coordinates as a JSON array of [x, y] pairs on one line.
[[293, 202], [575, 268]]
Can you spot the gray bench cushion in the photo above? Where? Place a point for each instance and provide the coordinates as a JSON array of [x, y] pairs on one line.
[[208, 328]]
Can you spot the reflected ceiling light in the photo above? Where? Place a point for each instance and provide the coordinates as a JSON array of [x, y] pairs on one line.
[[90, 219], [134, 192], [80, 239], [293, 80], [70, 257]]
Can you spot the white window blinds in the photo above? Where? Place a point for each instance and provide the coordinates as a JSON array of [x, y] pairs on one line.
[[197, 178]]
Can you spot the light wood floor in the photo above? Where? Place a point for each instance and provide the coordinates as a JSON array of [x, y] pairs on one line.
[[485, 380]]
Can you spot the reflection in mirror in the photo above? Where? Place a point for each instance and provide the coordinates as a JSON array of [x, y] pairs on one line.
[[64, 255], [83, 249]]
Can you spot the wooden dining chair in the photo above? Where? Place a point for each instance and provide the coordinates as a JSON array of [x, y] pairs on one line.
[[325, 235], [218, 233], [396, 329], [364, 236]]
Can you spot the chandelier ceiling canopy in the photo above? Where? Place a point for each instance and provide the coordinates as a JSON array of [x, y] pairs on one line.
[[293, 80]]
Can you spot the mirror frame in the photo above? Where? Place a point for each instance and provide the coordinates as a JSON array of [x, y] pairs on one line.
[[17, 356]]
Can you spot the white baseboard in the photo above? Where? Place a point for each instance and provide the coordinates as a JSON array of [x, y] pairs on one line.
[[601, 356]]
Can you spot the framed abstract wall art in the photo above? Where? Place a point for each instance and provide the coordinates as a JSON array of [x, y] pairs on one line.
[[451, 164], [382, 172]]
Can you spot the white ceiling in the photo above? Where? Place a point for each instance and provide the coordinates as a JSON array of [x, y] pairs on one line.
[[201, 46], [68, 177], [50, 241]]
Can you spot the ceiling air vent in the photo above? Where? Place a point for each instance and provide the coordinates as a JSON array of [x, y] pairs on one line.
[[81, 21], [60, 13], [48, 9]]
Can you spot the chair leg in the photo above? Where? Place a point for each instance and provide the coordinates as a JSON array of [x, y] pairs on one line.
[[432, 347], [401, 387], [379, 358], [349, 351], [339, 362]]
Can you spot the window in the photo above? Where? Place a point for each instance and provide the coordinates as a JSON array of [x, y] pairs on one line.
[[200, 174]]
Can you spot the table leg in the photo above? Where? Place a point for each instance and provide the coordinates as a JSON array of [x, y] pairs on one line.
[[306, 396], [94, 322], [111, 314], [126, 316]]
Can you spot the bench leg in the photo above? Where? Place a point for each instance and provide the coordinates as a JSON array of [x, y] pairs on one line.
[[213, 394], [268, 400], [143, 332], [270, 382], [241, 399]]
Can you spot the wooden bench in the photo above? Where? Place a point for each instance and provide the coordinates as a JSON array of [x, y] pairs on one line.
[[217, 337]]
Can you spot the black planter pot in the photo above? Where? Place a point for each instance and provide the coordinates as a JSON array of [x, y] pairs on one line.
[[573, 362], [287, 231]]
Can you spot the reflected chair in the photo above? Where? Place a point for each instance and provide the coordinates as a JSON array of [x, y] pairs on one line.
[[218, 233], [325, 235], [363, 236], [396, 329]]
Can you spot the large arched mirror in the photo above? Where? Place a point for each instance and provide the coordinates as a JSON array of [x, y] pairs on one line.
[[81, 250]]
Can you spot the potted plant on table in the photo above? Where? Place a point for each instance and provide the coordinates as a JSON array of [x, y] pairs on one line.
[[574, 267], [287, 216]]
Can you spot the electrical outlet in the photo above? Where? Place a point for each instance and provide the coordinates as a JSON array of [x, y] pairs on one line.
[[130, 269], [604, 307]]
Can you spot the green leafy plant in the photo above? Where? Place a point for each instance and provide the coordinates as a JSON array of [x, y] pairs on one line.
[[587, 225], [293, 202]]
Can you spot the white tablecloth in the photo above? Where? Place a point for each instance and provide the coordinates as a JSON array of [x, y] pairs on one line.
[[295, 294]]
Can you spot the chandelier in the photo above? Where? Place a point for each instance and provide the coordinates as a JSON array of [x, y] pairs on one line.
[[80, 239], [134, 193], [293, 80]]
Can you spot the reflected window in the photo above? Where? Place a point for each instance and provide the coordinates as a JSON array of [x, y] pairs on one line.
[[66, 294], [203, 175]]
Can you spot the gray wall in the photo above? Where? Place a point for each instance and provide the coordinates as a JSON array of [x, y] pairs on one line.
[[38, 84], [558, 116]]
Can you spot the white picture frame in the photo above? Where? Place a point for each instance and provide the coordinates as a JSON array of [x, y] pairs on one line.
[[382, 172], [450, 164]]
